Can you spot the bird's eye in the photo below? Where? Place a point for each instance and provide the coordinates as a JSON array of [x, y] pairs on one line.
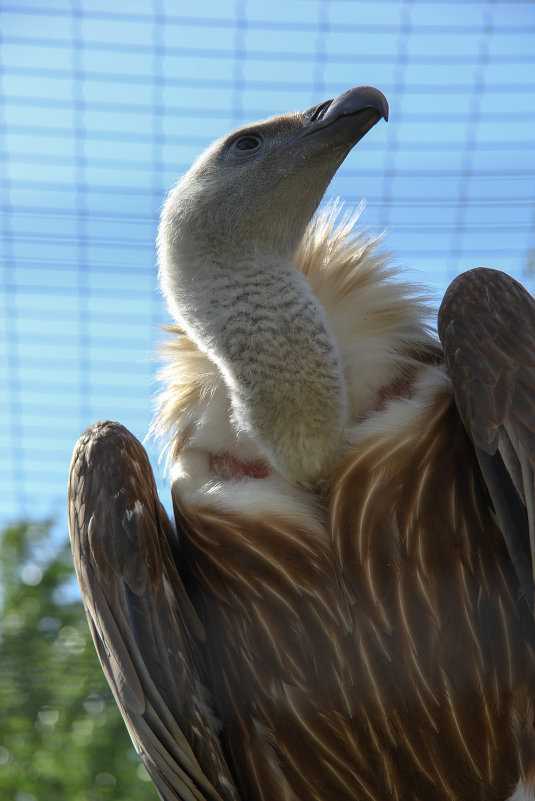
[[247, 143]]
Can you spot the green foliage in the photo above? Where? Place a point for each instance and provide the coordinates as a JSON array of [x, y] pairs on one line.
[[61, 735]]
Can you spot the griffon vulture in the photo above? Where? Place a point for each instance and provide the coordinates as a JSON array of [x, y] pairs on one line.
[[345, 609]]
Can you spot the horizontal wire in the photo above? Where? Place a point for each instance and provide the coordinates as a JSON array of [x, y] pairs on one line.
[[432, 3], [413, 173], [425, 202], [64, 388], [51, 410], [106, 364], [68, 316], [136, 269], [77, 239], [96, 341], [105, 214], [96, 188], [107, 135], [128, 293], [149, 220], [22, 157], [169, 20], [124, 293], [72, 214], [273, 57], [171, 110], [97, 266], [141, 79]]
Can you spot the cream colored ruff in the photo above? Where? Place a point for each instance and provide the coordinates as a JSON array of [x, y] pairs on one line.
[[362, 303]]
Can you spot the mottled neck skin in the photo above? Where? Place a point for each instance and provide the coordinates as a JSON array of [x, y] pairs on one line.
[[257, 319]]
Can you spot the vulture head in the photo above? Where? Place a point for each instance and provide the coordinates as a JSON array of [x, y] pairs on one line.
[[229, 232], [256, 189]]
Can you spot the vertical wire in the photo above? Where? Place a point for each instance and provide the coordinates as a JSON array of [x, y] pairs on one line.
[[528, 270], [240, 58], [157, 144], [158, 192], [81, 209], [15, 483], [321, 52], [398, 91], [470, 144]]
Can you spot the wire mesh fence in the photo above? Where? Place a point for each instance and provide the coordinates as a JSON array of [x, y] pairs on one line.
[[104, 106]]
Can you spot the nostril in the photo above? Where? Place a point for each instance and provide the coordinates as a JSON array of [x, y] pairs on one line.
[[317, 112]]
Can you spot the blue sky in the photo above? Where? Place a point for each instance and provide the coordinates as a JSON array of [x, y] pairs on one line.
[[105, 105]]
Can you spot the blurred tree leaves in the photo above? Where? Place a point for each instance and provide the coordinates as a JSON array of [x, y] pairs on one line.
[[61, 735]]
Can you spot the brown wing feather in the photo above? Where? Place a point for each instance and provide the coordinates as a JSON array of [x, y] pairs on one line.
[[145, 629], [487, 327], [281, 651], [446, 669]]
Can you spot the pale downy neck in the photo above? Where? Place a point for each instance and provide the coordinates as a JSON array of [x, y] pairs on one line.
[[257, 319]]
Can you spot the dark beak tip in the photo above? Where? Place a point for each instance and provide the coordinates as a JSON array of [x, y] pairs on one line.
[[366, 97]]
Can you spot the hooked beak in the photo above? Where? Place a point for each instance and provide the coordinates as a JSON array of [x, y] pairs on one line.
[[348, 117]]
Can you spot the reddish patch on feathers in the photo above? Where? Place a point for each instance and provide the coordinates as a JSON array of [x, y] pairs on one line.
[[227, 467], [398, 388]]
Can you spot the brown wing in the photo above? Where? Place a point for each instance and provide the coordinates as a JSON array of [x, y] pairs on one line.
[[487, 326], [145, 629]]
